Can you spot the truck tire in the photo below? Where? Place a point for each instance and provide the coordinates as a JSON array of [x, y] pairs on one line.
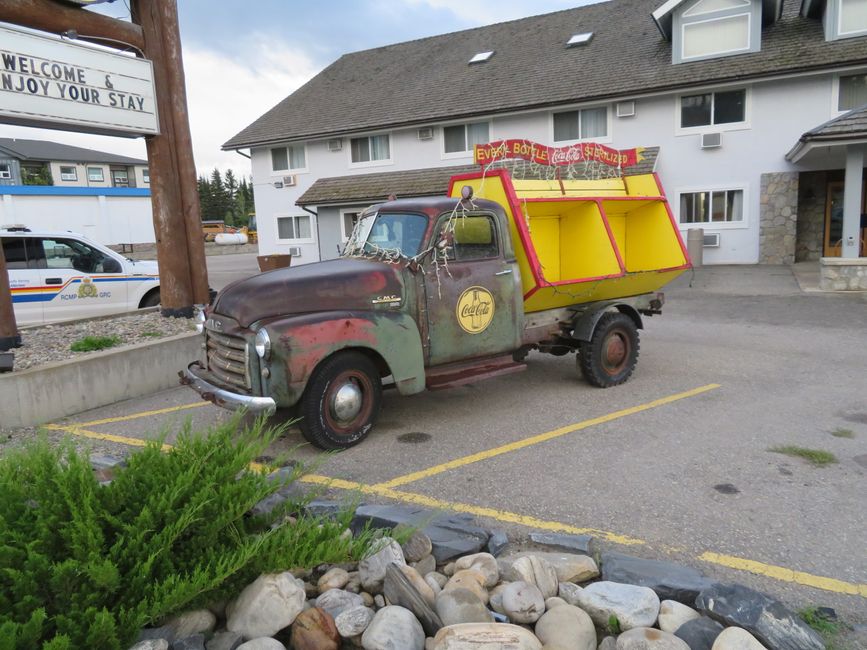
[[151, 299], [341, 402], [609, 358]]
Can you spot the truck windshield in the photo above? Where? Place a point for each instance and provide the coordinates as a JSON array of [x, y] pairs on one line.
[[387, 234]]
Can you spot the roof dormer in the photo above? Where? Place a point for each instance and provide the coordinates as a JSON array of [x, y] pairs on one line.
[[708, 29], [841, 18]]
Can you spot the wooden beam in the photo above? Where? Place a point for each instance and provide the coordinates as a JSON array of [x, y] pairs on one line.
[[58, 17], [9, 337]]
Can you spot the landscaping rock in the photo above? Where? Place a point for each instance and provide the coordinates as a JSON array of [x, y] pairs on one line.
[[336, 601], [648, 638], [534, 570], [393, 628], [580, 544], [400, 589], [371, 569], [425, 565], [151, 644], [497, 542], [325, 508], [225, 640], [439, 578], [699, 633], [771, 622], [567, 628], [482, 636], [484, 563], [262, 643], [352, 622], [268, 605], [469, 579], [670, 581], [417, 546], [673, 614], [736, 638], [570, 567], [423, 588], [569, 592], [461, 605], [523, 602], [608, 643], [554, 601], [633, 606], [156, 633], [314, 629], [191, 642], [335, 578], [194, 622], [289, 491]]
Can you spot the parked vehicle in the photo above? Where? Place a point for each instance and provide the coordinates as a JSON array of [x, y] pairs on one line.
[[213, 227], [57, 276], [438, 292]]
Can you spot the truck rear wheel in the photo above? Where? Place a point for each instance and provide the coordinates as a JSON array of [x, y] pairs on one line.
[[341, 402], [609, 358]]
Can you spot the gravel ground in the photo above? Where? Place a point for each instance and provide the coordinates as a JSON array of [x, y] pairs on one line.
[[50, 343]]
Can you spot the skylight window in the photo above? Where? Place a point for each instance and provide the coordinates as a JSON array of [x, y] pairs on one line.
[[579, 39], [481, 57]]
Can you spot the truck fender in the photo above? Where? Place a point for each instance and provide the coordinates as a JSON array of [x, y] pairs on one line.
[[310, 339], [585, 324]]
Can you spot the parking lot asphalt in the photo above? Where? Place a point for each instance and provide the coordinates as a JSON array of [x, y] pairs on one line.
[[675, 464]]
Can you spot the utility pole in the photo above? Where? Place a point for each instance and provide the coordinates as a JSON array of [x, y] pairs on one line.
[[9, 337]]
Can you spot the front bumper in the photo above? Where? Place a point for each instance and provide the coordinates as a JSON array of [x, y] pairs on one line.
[[192, 377]]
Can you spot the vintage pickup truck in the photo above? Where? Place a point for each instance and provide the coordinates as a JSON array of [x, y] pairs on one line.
[[438, 292]]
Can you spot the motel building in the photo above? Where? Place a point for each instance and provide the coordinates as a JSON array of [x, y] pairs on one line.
[[756, 111]]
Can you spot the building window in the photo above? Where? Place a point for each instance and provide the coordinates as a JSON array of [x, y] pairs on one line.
[[709, 109], [68, 173], [853, 17], [284, 159], [119, 178], [717, 206], [715, 28], [297, 227], [95, 174], [348, 219], [5, 171], [461, 138], [852, 93], [146, 175], [368, 149], [581, 125]]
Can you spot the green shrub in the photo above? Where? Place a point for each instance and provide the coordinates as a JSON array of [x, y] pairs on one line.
[[93, 343], [86, 566]]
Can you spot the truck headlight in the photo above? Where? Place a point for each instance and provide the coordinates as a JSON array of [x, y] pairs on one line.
[[263, 344], [200, 320]]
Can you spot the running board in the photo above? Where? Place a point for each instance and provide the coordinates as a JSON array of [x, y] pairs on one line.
[[468, 372]]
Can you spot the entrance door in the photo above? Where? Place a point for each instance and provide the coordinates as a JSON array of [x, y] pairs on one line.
[[833, 246], [472, 297]]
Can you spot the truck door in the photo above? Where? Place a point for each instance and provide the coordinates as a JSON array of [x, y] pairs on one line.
[[25, 278], [472, 301], [88, 282]]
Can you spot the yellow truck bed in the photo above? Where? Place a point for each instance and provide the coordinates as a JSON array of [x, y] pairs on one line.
[[581, 241]]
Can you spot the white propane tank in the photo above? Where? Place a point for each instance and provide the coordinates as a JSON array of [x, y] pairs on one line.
[[230, 238]]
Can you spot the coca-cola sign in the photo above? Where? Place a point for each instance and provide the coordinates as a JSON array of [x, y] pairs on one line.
[[475, 310], [556, 156]]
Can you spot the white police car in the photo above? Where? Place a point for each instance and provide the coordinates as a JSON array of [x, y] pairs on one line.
[[64, 276]]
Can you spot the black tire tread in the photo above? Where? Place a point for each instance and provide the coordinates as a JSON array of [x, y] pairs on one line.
[[588, 361]]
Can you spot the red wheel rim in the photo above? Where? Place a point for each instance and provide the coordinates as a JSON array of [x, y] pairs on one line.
[[354, 381], [616, 349]]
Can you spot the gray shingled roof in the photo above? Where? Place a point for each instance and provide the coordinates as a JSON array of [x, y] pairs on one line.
[[44, 151], [428, 80], [848, 128], [370, 188]]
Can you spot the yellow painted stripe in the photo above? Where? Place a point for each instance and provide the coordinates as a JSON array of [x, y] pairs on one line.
[[784, 574], [542, 437], [96, 435], [143, 414]]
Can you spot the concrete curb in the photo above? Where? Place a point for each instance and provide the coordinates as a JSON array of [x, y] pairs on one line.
[[38, 395]]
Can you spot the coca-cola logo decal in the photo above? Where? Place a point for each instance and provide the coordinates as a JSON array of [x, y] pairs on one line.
[[475, 310]]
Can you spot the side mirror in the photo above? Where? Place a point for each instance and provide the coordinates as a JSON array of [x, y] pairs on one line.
[[111, 265]]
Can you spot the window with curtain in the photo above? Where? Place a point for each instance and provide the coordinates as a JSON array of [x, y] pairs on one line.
[[716, 206], [288, 158], [463, 137], [296, 227], [852, 93], [711, 28], [708, 109], [95, 174], [370, 148], [581, 125]]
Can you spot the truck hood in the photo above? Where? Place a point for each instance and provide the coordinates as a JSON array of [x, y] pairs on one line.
[[147, 267], [345, 283]]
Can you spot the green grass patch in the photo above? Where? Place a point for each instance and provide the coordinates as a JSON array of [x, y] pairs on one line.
[[93, 343], [843, 433], [151, 334], [84, 565], [817, 457], [829, 629], [614, 625]]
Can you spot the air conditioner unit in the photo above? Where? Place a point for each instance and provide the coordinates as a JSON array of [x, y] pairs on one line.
[[625, 109], [711, 140], [295, 251], [289, 181], [425, 133], [335, 145], [278, 185], [711, 240]]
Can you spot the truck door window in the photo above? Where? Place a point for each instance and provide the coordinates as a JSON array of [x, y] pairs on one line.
[[23, 253], [71, 254], [386, 232], [475, 238]]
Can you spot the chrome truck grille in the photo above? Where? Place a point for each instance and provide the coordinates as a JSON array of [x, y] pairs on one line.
[[228, 359]]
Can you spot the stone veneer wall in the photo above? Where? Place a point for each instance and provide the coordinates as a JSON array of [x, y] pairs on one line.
[[843, 274], [778, 215], [812, 193]]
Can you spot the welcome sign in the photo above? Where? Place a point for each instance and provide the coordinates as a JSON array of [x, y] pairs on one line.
[[46, 82], [556, 156]]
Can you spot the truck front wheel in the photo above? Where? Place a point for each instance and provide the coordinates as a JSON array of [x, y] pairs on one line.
[[609, 358], [341, 402]]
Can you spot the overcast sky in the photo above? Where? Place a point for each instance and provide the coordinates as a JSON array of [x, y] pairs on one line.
[[241, 58]]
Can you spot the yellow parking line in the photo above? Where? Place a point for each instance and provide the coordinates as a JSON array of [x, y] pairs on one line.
[[542, 437], [751, 566], [142, 414]]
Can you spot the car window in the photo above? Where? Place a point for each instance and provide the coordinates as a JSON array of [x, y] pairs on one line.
[[23, 253], [72, 254], [475, 238]]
